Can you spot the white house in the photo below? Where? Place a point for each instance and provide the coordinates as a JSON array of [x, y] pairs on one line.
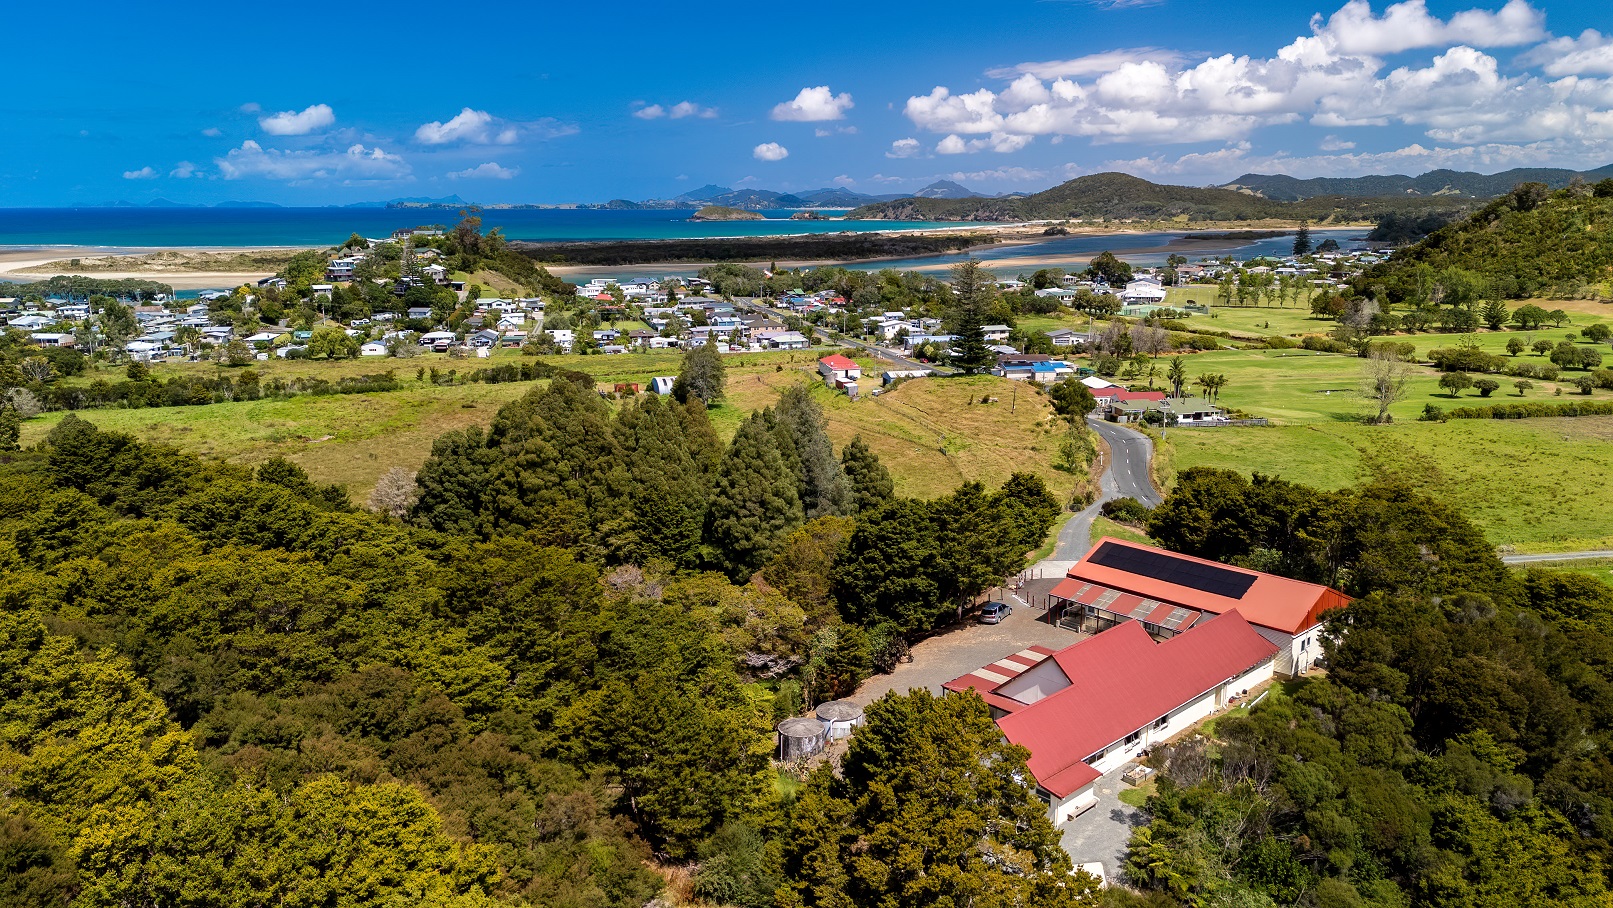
[[836, 369], [372, 348], [1143, 292], [996, 334]]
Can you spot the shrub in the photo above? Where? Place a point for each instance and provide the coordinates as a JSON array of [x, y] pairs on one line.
[[1585, 384], [1125, 510], [1325, 344], [1465, 359], [1432, 413], [1487, 386], [1399, 349], [1532, 410], [1278, 342]]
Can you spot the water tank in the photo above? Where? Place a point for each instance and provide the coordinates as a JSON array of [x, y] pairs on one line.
[[799, 738], [839, 718]]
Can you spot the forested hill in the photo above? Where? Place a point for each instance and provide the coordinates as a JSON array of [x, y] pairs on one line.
[[1119, 196], [1451, 183], [1529, 242]]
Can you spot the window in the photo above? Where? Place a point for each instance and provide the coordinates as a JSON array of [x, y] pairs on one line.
[[1096, 757], [1134, 737], [1162, 722]]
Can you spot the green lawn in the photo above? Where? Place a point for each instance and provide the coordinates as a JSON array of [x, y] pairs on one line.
[[1103, 526], [1598, 569], [1529, 483]]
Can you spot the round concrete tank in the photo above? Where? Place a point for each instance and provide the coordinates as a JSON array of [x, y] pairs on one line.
[[840, 718], [799, 738]]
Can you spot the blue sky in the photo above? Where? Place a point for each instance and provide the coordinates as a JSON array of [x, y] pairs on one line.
[[305, 103]]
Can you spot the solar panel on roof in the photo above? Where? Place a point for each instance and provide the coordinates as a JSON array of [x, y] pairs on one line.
[[1207, 578]]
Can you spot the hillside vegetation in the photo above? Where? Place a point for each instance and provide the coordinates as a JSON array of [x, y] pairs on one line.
[[1459, 183], [1121, 196], [1526, 243]]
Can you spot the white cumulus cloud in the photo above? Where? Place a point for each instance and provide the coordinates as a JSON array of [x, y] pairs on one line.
[[184, 170], [904, 148], [770, 151], [295, 123], [690, 109], [144, 173], [470, 127], [489, 171], [1335, 77], [355, 163], [814, 105]]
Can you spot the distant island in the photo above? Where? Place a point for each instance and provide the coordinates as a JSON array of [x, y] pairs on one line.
[[725, 213]]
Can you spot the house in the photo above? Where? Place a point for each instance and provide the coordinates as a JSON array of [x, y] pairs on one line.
[[787, 340], [1167, 593], [996, 334], [437, 274], [265, 337], [279, 283], [836, 368], [143, 351], [439, 340], [1143, 291], [341, 269], [1064, 337], [419, 312], [372, 348], [1115, 401], [484, 338], [30, 322], [896, 375], [1193, 411], [1044, 371], [662, 384], [1091, 707]]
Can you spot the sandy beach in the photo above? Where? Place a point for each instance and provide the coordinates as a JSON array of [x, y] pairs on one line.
[[202, 268], [26, 265]]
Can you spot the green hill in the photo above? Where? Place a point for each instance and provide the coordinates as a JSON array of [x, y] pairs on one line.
[[725, 213], [1530, 242], [1119, 196], [1458, 183]]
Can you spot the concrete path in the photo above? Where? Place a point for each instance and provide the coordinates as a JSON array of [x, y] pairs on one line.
[[1100, 835], [1556, 556]]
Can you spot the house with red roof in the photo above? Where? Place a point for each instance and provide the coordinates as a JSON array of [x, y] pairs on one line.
[[1091, 707], [1118, 402], [1167, 593], [836, 368]]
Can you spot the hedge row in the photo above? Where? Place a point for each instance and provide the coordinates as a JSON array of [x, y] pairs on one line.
[[1532, 410]]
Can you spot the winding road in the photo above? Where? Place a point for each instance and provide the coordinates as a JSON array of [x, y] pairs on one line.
[[1125, 475]]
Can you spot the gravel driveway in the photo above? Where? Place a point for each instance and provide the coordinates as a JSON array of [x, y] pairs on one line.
[[943, 657]]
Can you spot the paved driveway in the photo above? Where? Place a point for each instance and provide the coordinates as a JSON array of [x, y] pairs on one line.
[[943, 657], [1100, 835]]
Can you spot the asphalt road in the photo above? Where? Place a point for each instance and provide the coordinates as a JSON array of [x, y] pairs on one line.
[[1555, 556], [1125, 475]]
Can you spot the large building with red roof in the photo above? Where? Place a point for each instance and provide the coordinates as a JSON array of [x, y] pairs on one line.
[[1087, 709], [1166, 593]]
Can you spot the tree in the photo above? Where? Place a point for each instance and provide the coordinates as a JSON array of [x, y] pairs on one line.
[[10, 429], [871, 484], [1516, 345], [394, 493], [1542, 347], [932, 806], [1109, 269], [1523, 384], [1486, 386], [754, 501], [1495, 314], [973, 287], [1072, 400], [702, 376], [1597, 333], [1384, 381], [1302, 239], [38, 369], [333, 343], [1177, 375], [823, 485], [1455, 383]]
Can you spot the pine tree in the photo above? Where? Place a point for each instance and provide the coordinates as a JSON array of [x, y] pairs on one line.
[[823, 487], [1302, 239], [973, 286], [666, 499], [753, 502], [10, 429], [871, 484]]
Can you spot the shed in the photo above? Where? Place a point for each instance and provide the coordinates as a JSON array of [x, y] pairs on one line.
[[839, 718], [799, 738]]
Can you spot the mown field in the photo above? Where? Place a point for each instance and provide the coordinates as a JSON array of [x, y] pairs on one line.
[[932, 434]]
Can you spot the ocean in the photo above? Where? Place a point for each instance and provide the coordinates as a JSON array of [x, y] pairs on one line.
[[262, 227]]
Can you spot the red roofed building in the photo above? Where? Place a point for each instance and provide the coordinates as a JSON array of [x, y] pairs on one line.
[[836, 368], [1117, 400], [1120, 583], [1087, 709]]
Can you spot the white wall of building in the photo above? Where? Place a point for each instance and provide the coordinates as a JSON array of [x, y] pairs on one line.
[[1185, 716], [1295, 653]]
